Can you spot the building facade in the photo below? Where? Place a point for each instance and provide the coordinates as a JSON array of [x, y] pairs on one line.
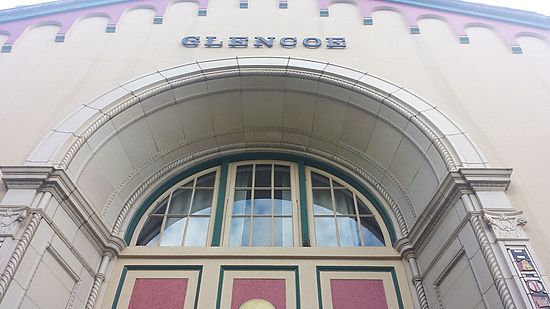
[[273, 154]]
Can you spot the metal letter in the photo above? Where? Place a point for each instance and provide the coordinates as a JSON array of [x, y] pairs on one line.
[[191, 41], [312, 42], [238, 41], [288, 42], [336, 42], [262, 41], [210, 42]]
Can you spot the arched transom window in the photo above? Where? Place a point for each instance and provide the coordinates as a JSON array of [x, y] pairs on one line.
[[262, 204]]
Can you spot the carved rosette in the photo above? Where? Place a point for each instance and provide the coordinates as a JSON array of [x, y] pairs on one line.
[[506, 225]]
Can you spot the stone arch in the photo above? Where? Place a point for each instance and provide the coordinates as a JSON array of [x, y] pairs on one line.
[[421, 133]]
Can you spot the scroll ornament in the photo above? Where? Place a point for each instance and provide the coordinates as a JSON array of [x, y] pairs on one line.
[[506, 225]]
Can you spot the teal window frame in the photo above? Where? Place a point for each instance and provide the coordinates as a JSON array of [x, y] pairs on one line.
[[219, 211]]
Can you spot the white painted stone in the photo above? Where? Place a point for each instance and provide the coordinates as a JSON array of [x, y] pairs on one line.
[[77, 119], [138, 142], [227, 111], [196, 118], [357, 129], [423, 188], [18, 197], [116, 95], [83, 246], [467, 152], [49, 147], [55, 296], [303, 85], [350, 74], [383, 143], [493, 199], [263, 61], [307, 64], [223, 84], [329, 118], [412, 101], [158, 101], [144, 82], [377, 83], [14, 296], [406, 162], [262, 109], [175, 72], [226, 63]]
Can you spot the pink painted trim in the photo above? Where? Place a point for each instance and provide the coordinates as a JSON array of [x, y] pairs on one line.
[[152, 293], [272, 290], [458, 22], [358, 293]]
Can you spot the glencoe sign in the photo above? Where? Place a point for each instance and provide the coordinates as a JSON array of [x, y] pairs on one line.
[[259, 42]]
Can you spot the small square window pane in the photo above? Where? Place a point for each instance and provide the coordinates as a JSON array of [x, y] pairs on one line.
[[319, 181], [197, 232], [173, 232], [181, 200], [282, 232], [244, 176], [242, 202], [362, 208], [261, 232], [349, 234], [202, 202], [325, 232], [263, 175], [283, 203], [344, 202], [322, 202], [150, 232], [372, 234], [282, 176], [262, 202], [206, 180], [240, 232], [161, 208]]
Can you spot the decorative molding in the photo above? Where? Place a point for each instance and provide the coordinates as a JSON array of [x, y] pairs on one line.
[[406, 250], [506, 225], [58, 183], [18, 253], [444, 274], [195, 77], [476, 221], [248, 146], [487, 179], [9, 218]]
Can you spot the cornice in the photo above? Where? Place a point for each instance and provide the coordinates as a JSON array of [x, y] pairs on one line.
[[59, 184], [515, 16], [44, 9]]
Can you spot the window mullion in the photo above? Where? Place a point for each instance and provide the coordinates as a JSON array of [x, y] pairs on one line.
[[334, 212]]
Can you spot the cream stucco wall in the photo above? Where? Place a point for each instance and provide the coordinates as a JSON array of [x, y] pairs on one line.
[[497, 97]]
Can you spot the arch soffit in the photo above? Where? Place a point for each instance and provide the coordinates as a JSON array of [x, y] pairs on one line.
[[449, 145]]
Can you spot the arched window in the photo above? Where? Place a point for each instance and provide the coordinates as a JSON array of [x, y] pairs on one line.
[[181, 216], [263, 206]]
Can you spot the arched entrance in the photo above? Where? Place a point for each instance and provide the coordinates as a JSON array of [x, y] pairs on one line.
[[114, 153]]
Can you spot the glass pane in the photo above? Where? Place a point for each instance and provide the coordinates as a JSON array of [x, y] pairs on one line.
[[189, 184], [282, 176], [161, 209], [322, 202], [242, 202], [173, 232], [240, 231], [372, 234], [263, 175], [180, 203], [344, 202], [150, 232], [206, 180], [261, 232], [325, 232], [283, 203], [349, 234], [262, 202], [362, 208], [282, 232], [202, 202], [244, 176], [318, 180], [197, 232]]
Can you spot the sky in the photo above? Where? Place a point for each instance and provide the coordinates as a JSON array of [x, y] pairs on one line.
[[539, 6]]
